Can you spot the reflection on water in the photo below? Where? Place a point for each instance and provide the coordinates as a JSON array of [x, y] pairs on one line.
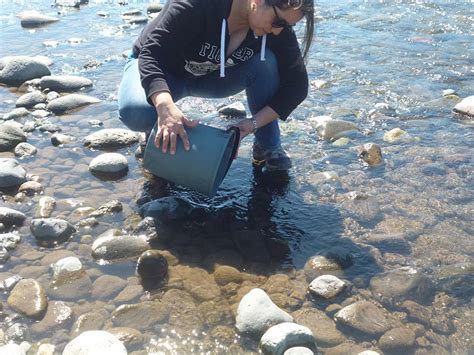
[[381, 65]]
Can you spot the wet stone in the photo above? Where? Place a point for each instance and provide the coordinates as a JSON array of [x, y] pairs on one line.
[[11, 349], [418, 313], [89, 342], [9, 240], [46, 206], [51, 231], [23, 150], [326, 286], [154, 7], [227, 274], [49, 127], [466, 106], [363, 316], [236, 109], [401, 284], [109, 163], [167, 209], [286, 335], [9, 217], [323, 328], [31, 99], [152, 265], [107, 286], [16, 113], [17, 332], [128, 336], [111, 138], [71, 289], [141, 316], [298, 350], [110, 247], [256, 313], [11, 134], [394, 135], [9, 283], [67, 268], [30, 188], [32, 19], [22, 68], [129, 294], [393, 243], [333, 129], [57, 316], [397, 339], [320, 265], [70, 102], [107, 208], [29, 298], [364, 210], [370, 153], [64, 83]]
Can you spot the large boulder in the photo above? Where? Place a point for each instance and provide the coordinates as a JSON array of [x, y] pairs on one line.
[[11, 173], [70, 102], [10, 135], [95, 342], [19, 69], [64, 83], [111, 138]]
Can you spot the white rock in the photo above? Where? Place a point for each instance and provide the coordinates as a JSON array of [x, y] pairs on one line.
[[46, 349], [448, 92], [327, 286], [109, 163], [331, 129], [256, 313], [95, 342], [286, 335], [25, 150], [466, 106], [66, 268], [394, 135]]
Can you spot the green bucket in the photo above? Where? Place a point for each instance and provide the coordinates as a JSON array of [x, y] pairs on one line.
[[203, 167]]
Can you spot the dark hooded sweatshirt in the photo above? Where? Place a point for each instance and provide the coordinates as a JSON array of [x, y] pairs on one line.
[[186, 40]]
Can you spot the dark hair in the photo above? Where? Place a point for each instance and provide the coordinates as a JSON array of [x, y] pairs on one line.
[[307, 7]]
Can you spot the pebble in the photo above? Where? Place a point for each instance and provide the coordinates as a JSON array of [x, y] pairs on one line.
[[107, 287], [12, 173], [31, 19], [16, 113], [109, 163], [333, 129], [30, 188], [61, 139], [365, 317], [107, 208], [394, 135], [111, 247], [323, 328], [24, 150], [466, 106], [28, 298], [19, 69], [370, 153], [397, 340], [327, 286], [111, 138], [64, 83], [236, 109], [46, 205], [70, 102], [11, 134], [94, 342], [141, 316], [286, 335], [226, 274], [50, 231], [31, 99], [57, 316], [9, 217], [319, 265], [129, 294], [256, 313], [151, 264], [49, 127], [66, 269]]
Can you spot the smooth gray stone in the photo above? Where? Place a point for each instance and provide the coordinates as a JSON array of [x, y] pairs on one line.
[[16, 113], [111, 138], [11, 173], [332, 129], [35, 304], [10, 135], [39, 58], [397, 340], [109, 163], [9, 216], [64, 83], [70, 102], [154, 7], [365, 317], [66, 268], [57, 316], [71, 289], [31, 99], [466, 106], [9, 240], [58, 139], [51, 230], [256, 313], [286, 335], [31, 19], [111, 247], [50, 127], [236, 109], [19, 69], [169, 208], [91, 341]]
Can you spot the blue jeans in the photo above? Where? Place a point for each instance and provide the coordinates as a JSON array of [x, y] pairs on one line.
[[259, 78]]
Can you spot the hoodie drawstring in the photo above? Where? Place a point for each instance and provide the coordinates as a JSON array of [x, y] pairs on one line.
[[223, 29]]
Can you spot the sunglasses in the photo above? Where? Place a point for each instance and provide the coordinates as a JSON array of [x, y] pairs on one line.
[[279, 22]]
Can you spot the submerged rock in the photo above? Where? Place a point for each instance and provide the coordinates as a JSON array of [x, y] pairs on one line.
[[112, 247], [50, 231], [256, 313], [333, 129], [31, 99], [91, 341], [66, 269], [28, 298], [397, 340], [111, 138], [16, 113], [57, 316], [107, 208], [152, 265], [142, 316], [11, 134], [323, 328], [170, 208], [70, 102], [19, 69], [23, 150], [394, 135], [466, 106], [109, 163], [11, 173], [64, 83], [327, 286], [319, 265], [31, 19], [371, 154], [286, 335], [9, 217], [365, 317]]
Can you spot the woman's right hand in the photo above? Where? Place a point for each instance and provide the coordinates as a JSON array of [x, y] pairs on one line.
[[171, 124]]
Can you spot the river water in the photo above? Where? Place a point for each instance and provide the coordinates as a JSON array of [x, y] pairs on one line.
[[379, 64]]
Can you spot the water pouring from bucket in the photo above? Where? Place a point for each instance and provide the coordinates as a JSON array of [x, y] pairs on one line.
[[204, 166]]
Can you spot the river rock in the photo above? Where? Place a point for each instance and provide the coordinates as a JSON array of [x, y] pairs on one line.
[[365, 317], [141, 316], [364, 210], [64, 83], [466, 106], [67, 268], [394, 135], [128, 336], [61, 139], [16, 113], [392, 243], [298, 350], [397, 340], [30, 188], [319, 265], [31, 99], [418, 313], [136, 20], [23, 150], [46, 205], [111, 138], [226, 274], [70, 289], [370, 153], [111, 247], [70, 102], [107, 208], [31, 19], [154, 7], [109, 163], [152, 265], [401, 284], [345, 349], [107, 286], [256, 313], [286, 335], [326, 286], [19, 69], [236, 109], [51, 230], [88, 321], [9, 217], [167, 209], [323, 328], [12, 349], [49, 127], [57, 316], [28, 298], [10, 135], [95, 342], [11, 173], [333, 129], [9, 240]]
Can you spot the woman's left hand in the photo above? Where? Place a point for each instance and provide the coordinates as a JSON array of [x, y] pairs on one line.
[[246, 127]]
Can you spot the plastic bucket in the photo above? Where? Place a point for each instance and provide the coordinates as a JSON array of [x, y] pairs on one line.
[[203, 167]]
